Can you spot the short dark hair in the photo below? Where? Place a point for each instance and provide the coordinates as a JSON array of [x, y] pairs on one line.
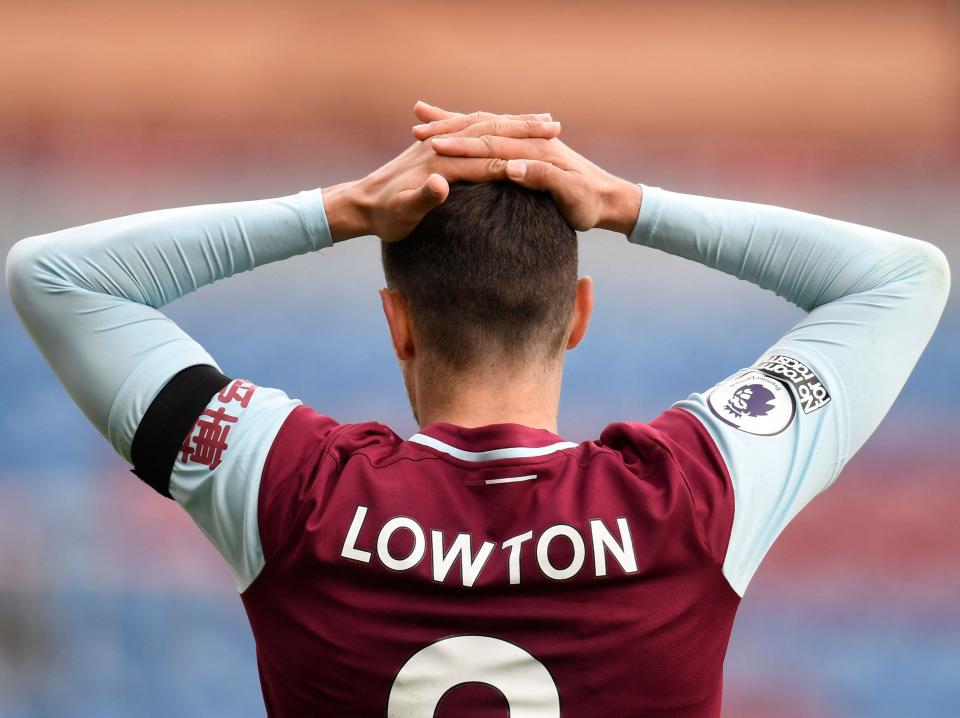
[[491, 271]]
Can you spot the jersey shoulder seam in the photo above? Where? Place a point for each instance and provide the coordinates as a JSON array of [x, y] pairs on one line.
[[325, 454], [701, 539]]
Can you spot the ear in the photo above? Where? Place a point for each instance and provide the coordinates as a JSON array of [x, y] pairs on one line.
[[397, 311], [582, 310]]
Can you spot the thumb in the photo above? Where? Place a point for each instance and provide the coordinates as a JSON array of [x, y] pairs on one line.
[[412, 204], [433, 192], [567, 188], [535, 174]]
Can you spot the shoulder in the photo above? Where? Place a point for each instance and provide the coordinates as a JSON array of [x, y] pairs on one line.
[[304, 463], [678, 453], [675, 435], [308, 437]]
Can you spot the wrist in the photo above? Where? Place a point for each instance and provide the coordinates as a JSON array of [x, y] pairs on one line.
[[346, 210], [621, 206]]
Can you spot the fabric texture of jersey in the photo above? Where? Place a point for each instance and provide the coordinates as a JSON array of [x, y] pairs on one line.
[[216, 474], [378, 572], [402, 580], [788, 424]]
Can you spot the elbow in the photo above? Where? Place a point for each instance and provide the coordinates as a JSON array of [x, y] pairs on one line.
[[24, 271], [935, 271]]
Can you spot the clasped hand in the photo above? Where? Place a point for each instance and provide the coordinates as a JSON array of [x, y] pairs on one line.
[[479, 147]]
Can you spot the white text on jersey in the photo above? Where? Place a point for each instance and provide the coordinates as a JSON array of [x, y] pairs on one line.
[[445, 554]]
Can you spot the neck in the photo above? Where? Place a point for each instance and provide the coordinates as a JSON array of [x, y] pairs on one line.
[[493, 395]]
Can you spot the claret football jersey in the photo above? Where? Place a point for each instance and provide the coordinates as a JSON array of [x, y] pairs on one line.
[[491, 571]]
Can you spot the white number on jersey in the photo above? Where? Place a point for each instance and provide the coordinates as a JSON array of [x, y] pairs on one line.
[[432, 671]]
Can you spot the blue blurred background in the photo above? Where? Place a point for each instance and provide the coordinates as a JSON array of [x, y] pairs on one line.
[[112, 604]]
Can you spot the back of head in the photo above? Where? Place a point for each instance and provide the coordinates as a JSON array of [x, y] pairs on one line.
[[490, 276]]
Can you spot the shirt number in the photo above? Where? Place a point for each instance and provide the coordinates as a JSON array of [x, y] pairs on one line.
[[432, 671]]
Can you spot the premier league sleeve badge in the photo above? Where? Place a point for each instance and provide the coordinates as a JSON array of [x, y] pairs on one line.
[[753, 402]]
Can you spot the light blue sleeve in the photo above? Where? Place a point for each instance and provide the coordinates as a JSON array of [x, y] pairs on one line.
[[222, 496], [89, 298], [787, 425]]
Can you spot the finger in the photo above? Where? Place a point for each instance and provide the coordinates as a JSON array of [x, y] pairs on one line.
[[520, 129], [446, 125], [537, 174], [505, 148], [476, 170], [502, 127], [566, 187], [437, 187], [421, 200], [478, 123], [408, 207], [427, 113]]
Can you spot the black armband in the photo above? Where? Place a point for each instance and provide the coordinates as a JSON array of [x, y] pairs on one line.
[[169, 420]]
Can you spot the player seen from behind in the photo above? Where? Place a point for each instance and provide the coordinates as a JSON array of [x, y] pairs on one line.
[[485, 566]]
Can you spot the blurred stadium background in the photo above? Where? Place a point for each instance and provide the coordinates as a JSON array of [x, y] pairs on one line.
[[111, 604]]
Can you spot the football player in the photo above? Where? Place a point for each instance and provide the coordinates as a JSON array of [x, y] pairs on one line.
[[485, 566]]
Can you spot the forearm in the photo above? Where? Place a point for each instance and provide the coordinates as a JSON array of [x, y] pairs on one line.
[[155, 257], [806, 259], [874, 297], [88, 295]]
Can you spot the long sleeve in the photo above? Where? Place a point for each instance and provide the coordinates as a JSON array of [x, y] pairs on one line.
[[88, 296], [787, 425]]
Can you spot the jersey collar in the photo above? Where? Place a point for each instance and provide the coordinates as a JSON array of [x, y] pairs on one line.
[[491, 442]]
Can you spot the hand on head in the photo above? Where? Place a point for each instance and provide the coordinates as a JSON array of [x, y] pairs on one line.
[[478, 147], [393, 199], [587, 195]]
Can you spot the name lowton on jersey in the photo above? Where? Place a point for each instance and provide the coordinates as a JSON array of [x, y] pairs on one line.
[[401, 544], [347, 542]]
